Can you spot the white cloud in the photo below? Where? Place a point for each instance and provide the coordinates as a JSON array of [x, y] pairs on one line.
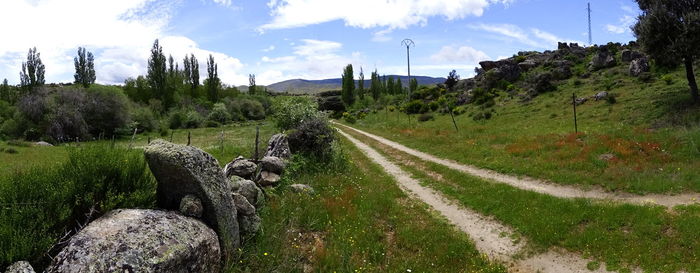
[[371, 13], [382, 35], [463, 54], [311, 59], [225, 3], [534, 37], [119, 33], [269, 48], [623, 26]]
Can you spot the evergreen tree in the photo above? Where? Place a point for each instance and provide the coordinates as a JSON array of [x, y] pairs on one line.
[[158, 76], [347, 93], [451, 80], [32, 74], [398, 87], [414, 84], [375, 85], [5, 91], [361, 87], [669, 31], [390, 85], [213, 83], [84, 68], [251, 87]]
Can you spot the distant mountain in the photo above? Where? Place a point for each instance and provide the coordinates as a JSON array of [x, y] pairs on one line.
[[300, 86]]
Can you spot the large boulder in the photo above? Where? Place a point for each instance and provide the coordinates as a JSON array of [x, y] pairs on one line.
[[185, 170], [240, 167], [506, 69], [248, 219], [267, 179], [602, 59], [141, 241], [20, 267], [631, 55], [279, 146], [272, 164], [639, 66], [249, 189]]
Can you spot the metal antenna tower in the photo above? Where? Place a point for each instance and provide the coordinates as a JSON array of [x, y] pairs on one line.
[[408, 43], [590, 31]]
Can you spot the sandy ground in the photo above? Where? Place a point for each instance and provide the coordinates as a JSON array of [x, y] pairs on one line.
[[490, 237], [542, 186]]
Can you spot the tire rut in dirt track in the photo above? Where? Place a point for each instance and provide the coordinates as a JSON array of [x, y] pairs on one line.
[[541, 186], [489, 236]]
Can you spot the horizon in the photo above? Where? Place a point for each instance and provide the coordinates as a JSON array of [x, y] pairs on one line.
[[310, 39]]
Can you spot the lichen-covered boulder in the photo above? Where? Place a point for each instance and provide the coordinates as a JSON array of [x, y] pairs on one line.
[[639, 66], [272, 164], [191, 206], [185, 170], [268, 179], [141, 241], [240, 167], [249, 189], [243, 207], [602, 59], [250, 225], [279, 146], [20, 267]]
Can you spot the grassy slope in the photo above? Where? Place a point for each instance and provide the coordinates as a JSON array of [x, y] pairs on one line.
[[651, 131], [623, 236], [359, 221]]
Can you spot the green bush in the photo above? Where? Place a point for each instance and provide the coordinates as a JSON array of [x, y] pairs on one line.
[[313, 137], [668, 79], [252, 109], [413, 107], [176, 119], [38, 206], [350, 118], [290, 113], [193, 119], [144, 119], [219, 114]]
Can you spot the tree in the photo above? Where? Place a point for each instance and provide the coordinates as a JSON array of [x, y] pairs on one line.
[[32, 74], [361, 88], [413, 85], [252, 87], [347, 92], [157, 75], [5, 91], [84, 68], [398, 87], [669, 31], [191, 74], [451, 80], [390, 85], [375, 86], [213, 82]]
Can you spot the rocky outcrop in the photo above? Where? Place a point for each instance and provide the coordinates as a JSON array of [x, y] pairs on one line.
[[639, 66], [506, 69], [240, 167], [272, 164], [141, 241], [602, 59], [20, 267], [191, 206], [278, 146], [186, 170], [629, 55]]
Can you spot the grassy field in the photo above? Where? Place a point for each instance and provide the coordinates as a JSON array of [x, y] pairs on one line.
[[622, 236], [358, 221], [651, 132]]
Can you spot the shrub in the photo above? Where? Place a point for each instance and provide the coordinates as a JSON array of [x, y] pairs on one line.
[[668, 79], [212, 124], [485, 115], [392, 108], [433, 105], [425, 117], [144, 119], [219, 114], [176, 119], [290, 113], [39, 205], [105, 111], [350, 118], [314, 137], [252, 110], [193, 119], [10, 151], [413, 107]]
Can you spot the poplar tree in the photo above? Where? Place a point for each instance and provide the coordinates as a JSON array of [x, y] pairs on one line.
[[375, 85], [157, 75], [361, 88], [191, 74], [252, 87], [390, 85], [348, 80], [84, 68], [32, 74], [212, 82]]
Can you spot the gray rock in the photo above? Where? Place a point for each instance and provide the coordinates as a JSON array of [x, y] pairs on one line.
[[141, 241], [601, 95], [279, 146], [20, 267], [631, 55], [268, 179], [250, 225], [272, 164], [191, 206], [639, 66], [249, 189], [240, 167], [527, 65], [301, 188], [602, 59], [183, 170], [243, 207], [43, 143], [580, 101]]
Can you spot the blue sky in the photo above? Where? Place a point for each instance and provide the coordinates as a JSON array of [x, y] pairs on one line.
[[286, 39]]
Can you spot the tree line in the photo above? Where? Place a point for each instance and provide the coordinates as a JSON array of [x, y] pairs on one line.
[[378, 86]]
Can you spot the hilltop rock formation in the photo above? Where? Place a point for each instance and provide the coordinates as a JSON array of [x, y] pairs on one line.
[[141, 241], [186, 170]]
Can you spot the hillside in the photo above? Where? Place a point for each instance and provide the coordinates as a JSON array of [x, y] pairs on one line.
[[301, 86]]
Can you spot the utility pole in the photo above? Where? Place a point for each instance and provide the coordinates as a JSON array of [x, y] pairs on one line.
[[590, 31], [408, 43]]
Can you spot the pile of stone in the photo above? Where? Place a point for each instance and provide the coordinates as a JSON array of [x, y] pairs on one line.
[[205, 214]]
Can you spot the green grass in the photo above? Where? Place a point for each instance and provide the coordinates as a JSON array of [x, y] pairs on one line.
[[622, 236], [358, 221], [651, 130], [29, 156]]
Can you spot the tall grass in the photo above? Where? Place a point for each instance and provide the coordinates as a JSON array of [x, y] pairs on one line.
[[38, 206]]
